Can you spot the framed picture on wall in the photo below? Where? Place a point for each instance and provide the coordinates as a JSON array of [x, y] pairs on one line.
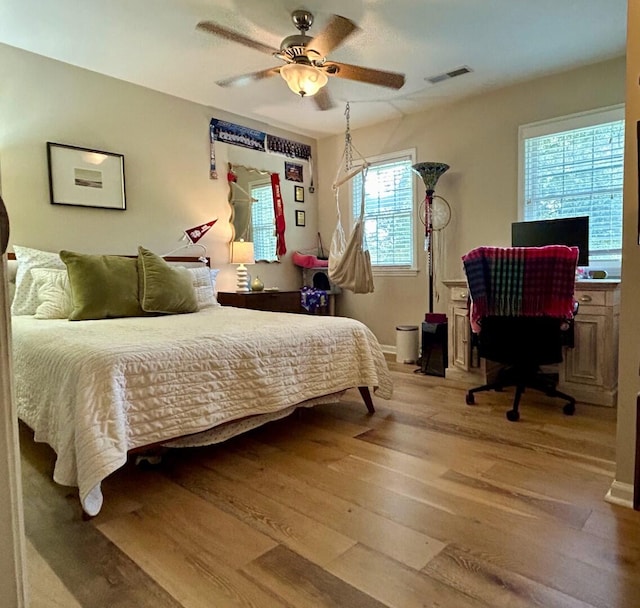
[[293, 172], [300, 219], [83, 177], [299, 194]]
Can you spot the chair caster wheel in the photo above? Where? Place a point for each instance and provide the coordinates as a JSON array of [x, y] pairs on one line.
[[470, 399], [569, 409], [513, 416]]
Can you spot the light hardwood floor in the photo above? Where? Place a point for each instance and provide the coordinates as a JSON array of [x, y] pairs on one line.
[[429, 502]]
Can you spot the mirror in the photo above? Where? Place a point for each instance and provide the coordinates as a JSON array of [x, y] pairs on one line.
[[253, 218], [252, 221]]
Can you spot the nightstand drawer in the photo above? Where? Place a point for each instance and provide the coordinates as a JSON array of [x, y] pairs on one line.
[[277, 301], [273, 301]]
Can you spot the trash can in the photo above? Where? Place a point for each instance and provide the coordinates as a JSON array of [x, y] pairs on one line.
[[406, 343], [434, 359]]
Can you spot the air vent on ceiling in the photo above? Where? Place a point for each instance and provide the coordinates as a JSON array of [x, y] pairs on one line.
[[447, 75]]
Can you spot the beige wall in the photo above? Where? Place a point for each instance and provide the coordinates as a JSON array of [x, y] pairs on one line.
[[478, 138], [629, 352], [166, 148]]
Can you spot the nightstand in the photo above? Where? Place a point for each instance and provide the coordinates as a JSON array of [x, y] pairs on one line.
[[274, 301]]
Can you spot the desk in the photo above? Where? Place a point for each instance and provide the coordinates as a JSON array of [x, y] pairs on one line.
[[589, 371]]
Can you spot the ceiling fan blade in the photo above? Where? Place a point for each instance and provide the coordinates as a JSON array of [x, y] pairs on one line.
[[238, 81], [217, 30], [323, 99], [393, 80], [334, 33]]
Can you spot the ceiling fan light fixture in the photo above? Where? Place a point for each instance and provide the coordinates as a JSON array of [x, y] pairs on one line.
[[304, 80]]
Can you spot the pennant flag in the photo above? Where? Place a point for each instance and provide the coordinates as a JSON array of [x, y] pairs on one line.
[[196, 233]]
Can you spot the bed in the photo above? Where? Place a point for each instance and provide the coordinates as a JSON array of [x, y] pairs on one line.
[[99, 389]]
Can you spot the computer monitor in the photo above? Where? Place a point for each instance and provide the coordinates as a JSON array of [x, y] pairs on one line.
[[571, 231]]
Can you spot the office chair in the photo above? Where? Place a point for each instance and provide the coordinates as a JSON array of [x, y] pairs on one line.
[[521, 311]]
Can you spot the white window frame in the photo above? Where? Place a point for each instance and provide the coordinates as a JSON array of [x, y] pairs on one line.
[[565, 123], [410, 270]]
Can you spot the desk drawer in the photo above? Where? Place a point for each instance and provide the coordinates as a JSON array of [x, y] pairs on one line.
[[590, 297], [459, 295]]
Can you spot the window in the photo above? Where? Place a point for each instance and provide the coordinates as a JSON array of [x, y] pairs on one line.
[[262, 222], [574, 166], [389, 211]]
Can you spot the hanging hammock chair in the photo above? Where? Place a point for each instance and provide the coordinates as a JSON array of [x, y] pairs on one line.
[[349, 260]]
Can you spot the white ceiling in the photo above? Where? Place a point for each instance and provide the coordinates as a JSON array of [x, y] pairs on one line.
[[154, 43]]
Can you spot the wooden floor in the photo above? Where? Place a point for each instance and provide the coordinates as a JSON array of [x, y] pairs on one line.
[[429, 502]]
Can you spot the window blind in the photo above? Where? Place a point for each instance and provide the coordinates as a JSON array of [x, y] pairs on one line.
[[579, 172], [389, 212], [262, 222]]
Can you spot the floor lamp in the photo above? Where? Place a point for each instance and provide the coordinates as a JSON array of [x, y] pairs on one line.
[[430, 173]]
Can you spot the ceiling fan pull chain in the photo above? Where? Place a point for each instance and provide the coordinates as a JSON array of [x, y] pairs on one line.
[[348, 158]]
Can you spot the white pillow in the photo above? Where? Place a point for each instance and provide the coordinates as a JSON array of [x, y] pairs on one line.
[[203, 284], [25, 300], [214, 273], [54, 293]]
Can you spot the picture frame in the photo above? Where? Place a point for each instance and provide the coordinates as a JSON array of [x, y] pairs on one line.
[[83, 177], [299, 194], [293, 172], [300, 218]]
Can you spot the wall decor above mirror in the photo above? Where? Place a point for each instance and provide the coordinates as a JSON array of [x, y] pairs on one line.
[[233, 134]]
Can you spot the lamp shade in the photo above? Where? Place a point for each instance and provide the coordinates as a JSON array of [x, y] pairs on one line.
[[430, 173], [242, 252], [302, 79]]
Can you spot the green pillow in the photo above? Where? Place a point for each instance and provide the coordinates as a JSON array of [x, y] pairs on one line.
[[102, 286], [163, 289]]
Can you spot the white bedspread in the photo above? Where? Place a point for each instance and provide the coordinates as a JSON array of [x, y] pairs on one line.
[[95, 389]]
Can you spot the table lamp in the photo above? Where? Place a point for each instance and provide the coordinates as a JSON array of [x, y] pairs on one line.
[[241, 254]]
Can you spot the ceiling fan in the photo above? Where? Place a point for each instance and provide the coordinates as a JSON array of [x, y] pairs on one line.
[[306, 68]]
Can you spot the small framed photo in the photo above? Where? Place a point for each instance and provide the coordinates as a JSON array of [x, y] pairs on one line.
[[300, 218], [85, 178], [299, 194], [293, 172]]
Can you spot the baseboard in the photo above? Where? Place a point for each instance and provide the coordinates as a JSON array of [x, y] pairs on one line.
[[620, 494], [388, 350]]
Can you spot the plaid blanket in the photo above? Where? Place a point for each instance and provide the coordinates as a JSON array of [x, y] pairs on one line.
[[521, 281]]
